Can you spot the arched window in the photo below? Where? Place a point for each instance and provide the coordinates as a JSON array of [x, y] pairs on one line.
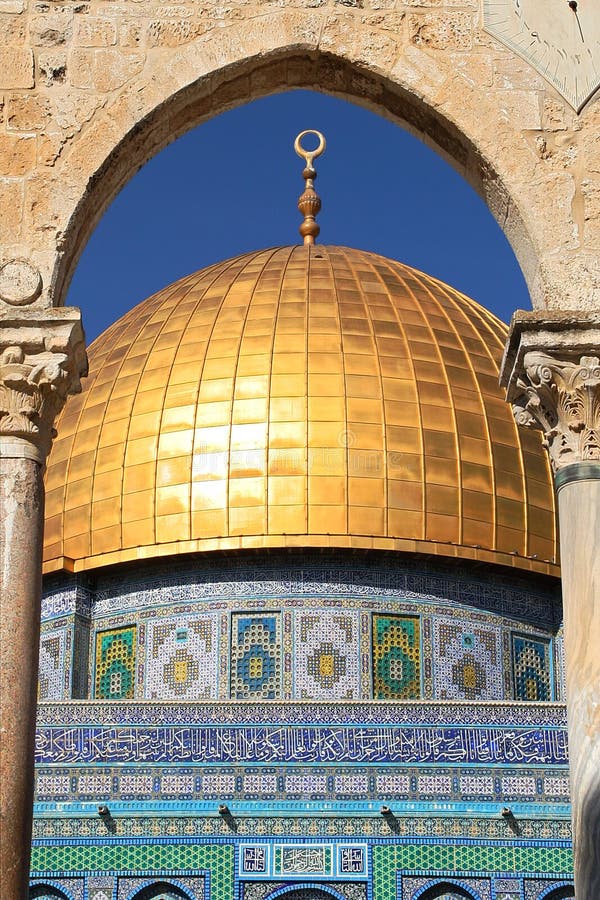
[[46, 892], [161, 890], [306, 893], [564, 892], [446, 891]]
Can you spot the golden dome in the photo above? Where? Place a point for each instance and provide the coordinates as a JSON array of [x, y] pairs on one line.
[[298, 396]]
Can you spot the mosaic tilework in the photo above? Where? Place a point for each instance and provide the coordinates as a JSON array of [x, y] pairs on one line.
[[304, 826], [327, 654], [182, 658], [256, 656], [80, 674], [314, 583], [161, 888], [100, 887], [326, 782], [531, 668], [396, 657], [433, 712], [52, 664], [57, 889], [321, 575], [546, 889], [441, 889], [402, 856], [115, 664], [256, 890], [217, 859], [468, 662]]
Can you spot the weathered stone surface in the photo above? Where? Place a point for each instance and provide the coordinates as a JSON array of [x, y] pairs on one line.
[[456, 77], [20, 282], [16, 67], [17, 154]]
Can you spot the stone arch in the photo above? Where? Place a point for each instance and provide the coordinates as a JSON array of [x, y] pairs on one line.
[[234, 66]]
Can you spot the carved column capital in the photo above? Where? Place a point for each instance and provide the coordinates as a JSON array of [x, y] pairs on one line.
[[42, 359], [551, 371]]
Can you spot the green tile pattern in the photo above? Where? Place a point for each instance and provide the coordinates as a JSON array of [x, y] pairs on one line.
[[218, 859], [388, 859]]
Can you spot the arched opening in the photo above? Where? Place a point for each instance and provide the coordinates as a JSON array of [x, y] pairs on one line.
[[161, 890], [42, 891], [563, 892], [110, 156], [306, 892], [170, 219], [446, 891]]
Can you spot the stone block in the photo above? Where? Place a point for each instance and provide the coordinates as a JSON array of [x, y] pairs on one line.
[[17, 154], [50, 30], [113, 69], [11, 205], [441, 31], [591, 213], [91, 31], [16, 68], [28, 112], [521, 109], [81, 68], [52, 66], [14, 7], [172, 34], [131, 34], [13, 30]]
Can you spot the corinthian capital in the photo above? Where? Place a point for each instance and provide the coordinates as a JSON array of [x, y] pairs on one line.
[[42, 358], [551, 370], [562, 398]]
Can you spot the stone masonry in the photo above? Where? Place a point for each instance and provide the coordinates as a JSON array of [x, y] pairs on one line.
[[91, 89]]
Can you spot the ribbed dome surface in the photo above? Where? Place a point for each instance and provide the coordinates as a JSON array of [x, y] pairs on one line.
[[298, 397]]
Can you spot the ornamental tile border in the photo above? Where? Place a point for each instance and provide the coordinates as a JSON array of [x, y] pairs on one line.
[[501, 714]]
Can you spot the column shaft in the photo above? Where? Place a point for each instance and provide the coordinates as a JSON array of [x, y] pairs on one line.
[[21, 534], [579, 517]]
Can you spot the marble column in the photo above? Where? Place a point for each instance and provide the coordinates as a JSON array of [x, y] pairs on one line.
[[551, 370], [42, 357]]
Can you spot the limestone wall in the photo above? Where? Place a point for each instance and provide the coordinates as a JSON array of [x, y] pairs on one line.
[[91, 89]]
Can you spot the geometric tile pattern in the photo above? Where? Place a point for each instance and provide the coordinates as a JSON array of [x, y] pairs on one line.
[[256, 650], [443, 889], [467, 661], [181, 658], [396, 657], [531, 668], [390, 859], [217, 859], [115, 664], [58, 889], [155, 888], [326, 655], [52, 665]]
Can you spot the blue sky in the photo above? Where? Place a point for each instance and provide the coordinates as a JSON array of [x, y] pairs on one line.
[[231, 185]]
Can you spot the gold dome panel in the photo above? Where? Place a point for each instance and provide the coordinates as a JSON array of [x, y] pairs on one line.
[[298, 397]]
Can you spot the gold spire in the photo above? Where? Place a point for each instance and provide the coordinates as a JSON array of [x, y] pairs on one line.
[[309, 202]]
